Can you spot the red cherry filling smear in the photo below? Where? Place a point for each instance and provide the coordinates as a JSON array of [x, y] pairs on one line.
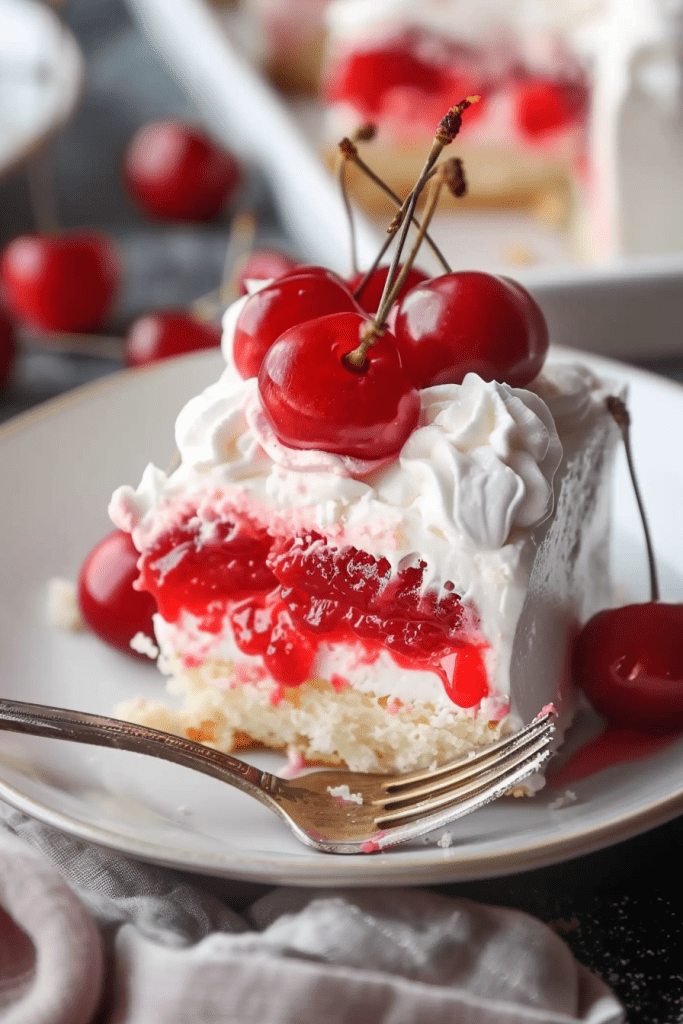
[[109, 605], [313, 398], [629, 662]]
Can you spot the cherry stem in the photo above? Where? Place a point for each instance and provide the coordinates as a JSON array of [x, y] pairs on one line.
[[620, 415], [240, 244], [436, 183], [343, 185], [447, 129], [351, 153]]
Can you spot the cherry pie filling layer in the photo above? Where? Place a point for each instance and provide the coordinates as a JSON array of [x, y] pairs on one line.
[[285, 597]]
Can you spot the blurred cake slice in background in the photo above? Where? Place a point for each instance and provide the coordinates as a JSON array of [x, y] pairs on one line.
[[580, 117]]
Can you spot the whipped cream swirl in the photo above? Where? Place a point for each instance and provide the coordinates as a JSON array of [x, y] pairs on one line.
[[481, 465]]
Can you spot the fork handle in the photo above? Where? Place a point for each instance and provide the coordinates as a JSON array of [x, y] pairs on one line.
[[82, 727]]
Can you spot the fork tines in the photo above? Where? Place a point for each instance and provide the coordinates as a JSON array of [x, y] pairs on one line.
[[484, 775]]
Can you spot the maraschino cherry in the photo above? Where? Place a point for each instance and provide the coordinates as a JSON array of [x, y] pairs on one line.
[[369, 295], [470, 322], [629, 660], [163, 335], [303, 295], [174, 171], [109, 605], [61, 282], [314, 397], [263, 265], [336, 383], [8, 346]]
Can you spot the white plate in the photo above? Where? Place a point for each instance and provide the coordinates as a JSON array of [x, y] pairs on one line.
[[41, 78], [59, 464]]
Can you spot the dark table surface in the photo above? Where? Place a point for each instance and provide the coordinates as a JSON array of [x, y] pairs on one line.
[[621, 909]]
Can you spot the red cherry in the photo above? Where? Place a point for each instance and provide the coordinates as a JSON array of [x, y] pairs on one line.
[[63, 282], [165, 334], [313, 398], [629, 662], [8, 347], [369, 298], [546, 106], [111, 607], [470, 322], [175, 171], [263, 264], [284, 304]]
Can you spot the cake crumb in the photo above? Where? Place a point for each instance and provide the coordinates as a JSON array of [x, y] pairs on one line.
[[518, 792], [564, 800], [206, 733], [144, 644], [62, 605], [445, 840], [344, 795]]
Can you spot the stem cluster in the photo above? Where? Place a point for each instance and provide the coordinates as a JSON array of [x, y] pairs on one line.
[[448, 173]]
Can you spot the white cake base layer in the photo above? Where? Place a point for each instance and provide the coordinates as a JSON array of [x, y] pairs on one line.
[[360, 730]]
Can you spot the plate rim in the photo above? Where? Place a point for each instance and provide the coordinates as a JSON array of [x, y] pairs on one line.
[[281, 868]]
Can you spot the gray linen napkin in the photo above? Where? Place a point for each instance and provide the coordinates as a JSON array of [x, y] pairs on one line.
[[88, 936]]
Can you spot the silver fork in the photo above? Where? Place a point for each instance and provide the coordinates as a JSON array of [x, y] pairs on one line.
[[375, 812]]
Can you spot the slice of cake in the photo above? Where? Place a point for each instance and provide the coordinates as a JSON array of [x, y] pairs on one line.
[[382, 614]]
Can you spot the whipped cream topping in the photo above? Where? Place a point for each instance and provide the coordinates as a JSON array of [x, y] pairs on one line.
[[570, 391], [479, 466]]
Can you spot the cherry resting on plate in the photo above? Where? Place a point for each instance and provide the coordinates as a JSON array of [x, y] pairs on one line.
[[174, 171], [629, 661], [314, 398], [165, 334], [62, 282], [8, 346], [111, 607], [470, 322], [288, 302], [369, 298]]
